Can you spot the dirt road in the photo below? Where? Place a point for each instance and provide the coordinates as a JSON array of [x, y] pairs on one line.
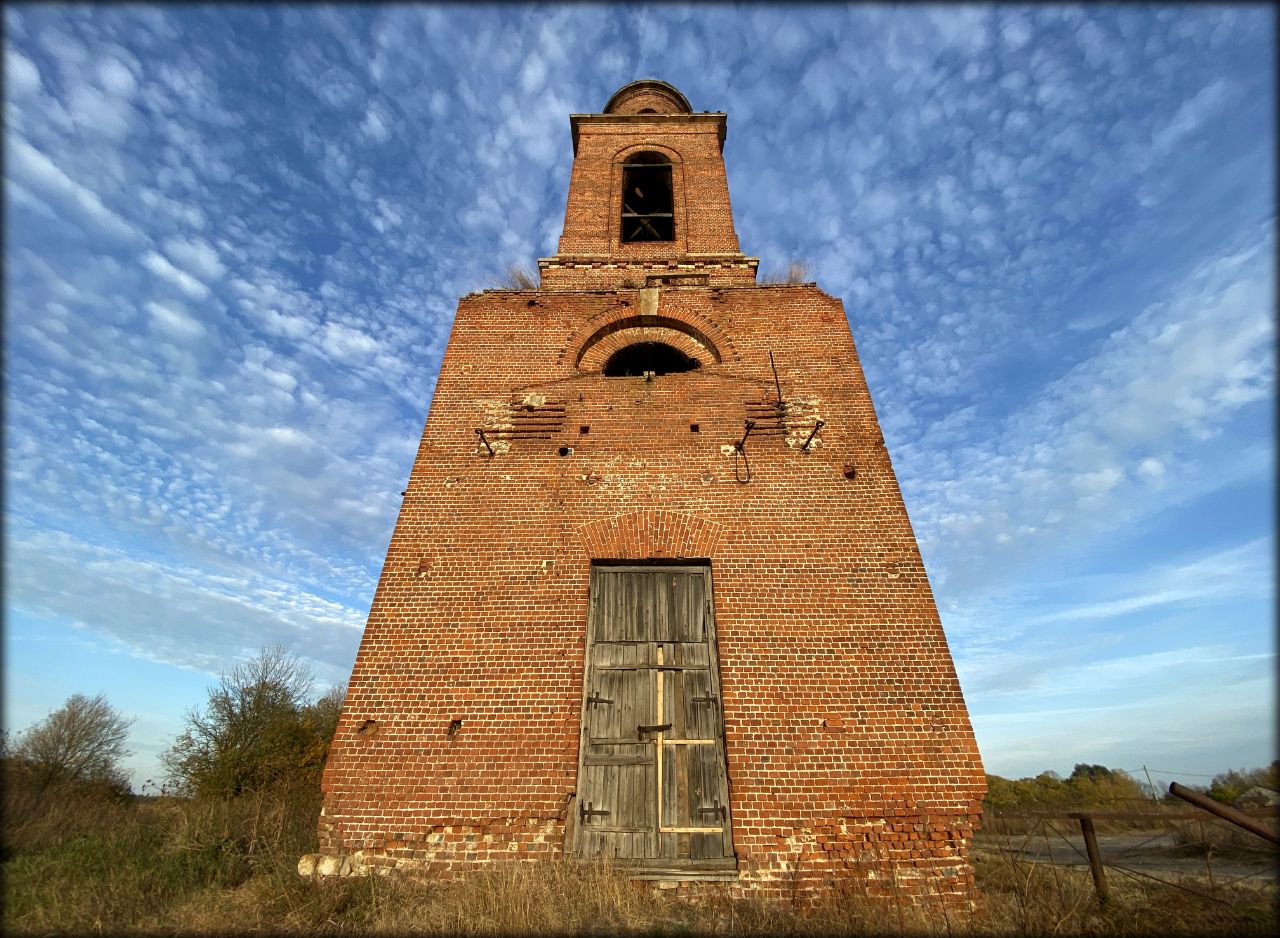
[[1151, 852]]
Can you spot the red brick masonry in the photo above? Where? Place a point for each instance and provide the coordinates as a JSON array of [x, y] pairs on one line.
[[852, 762]]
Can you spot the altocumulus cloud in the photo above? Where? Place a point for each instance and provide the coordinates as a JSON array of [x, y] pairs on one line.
[[235, 238]]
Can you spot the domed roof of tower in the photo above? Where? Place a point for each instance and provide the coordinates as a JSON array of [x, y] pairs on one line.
[[648, 96]]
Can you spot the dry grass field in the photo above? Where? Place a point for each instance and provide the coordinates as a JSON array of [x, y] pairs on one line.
[[84, 863]]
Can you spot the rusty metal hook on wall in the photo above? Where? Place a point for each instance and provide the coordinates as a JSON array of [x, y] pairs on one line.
[[740, 449], [776, 384], [812, 433]]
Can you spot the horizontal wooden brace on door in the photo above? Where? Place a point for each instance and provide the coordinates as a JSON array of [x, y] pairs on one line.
[[691, 830], [596, 759], [650, 667], [688, 742]]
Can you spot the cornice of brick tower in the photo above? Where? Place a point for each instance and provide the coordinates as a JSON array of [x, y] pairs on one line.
[[647, 117]]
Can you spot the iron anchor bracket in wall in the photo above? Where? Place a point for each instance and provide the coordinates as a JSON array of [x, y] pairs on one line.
[[740, 449], [812, 433], [480, 433]]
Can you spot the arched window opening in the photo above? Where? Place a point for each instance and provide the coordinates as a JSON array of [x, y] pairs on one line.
[[646, 199], [634, 360]]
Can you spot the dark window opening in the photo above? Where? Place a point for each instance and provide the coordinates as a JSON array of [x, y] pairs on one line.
[[658, 357], [647, 213]]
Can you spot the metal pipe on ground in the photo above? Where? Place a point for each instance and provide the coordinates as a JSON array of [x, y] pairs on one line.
[[1238, 818]]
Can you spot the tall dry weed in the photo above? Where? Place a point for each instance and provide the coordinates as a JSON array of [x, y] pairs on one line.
[[79, 865]]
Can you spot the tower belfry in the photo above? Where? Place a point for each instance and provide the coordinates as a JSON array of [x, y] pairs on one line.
[[653, 593]]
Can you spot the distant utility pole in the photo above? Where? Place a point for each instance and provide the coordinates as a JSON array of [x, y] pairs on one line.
[[1151, 785]]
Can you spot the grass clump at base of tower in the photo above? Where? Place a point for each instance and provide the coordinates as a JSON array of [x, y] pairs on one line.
[[84, 859]]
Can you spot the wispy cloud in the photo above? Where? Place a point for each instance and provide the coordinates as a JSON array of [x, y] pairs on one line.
[[236, 238]]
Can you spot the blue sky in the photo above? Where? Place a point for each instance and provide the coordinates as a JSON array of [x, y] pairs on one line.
[[235, 237]]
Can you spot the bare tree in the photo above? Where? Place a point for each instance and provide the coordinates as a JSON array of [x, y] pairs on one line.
[[81, 741]]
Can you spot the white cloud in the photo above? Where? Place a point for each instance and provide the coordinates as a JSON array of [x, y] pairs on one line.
[[175, 322], [1099, 482], [101, 110], [1156, 728], [42, 175], [878, 205], [1191, 114], [161, 267], [375, 127], [1151, 468], [1237, 573], [1167, 379], [533, 74], [196, 255], [962, 26], [21, 76], [116, 78], [173, 613], [346, 344]]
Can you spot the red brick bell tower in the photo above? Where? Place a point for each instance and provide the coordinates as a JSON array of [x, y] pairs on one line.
[[653, 593]]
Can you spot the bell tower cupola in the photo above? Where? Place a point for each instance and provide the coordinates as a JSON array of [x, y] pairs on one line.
[[648, 198]]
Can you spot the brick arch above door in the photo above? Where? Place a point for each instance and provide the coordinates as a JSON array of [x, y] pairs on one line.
[[648, 534], [705, 333]]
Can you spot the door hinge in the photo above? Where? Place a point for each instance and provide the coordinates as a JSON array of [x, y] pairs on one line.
[[586, 812], [707, 700], [595, 698], [716, 808], [654, 728]]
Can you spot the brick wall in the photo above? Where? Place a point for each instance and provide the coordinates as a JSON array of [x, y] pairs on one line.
[[850, 750]]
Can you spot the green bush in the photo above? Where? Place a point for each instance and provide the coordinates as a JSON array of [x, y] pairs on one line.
[[256, 732]]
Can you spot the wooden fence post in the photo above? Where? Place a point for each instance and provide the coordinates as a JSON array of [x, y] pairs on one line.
[[1095, 858]]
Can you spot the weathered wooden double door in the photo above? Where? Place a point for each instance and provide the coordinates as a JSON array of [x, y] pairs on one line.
[[653, 788]]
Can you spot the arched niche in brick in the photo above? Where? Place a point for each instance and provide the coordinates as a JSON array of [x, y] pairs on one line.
[[611, 337], [644, 535], [594, 359], [649, 152], [700, 339]]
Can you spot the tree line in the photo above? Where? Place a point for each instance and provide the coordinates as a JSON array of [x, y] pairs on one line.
[[258, 730], [1096, 786]]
